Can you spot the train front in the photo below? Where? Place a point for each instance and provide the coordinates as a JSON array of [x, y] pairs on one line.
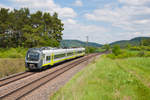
[[33, 59]]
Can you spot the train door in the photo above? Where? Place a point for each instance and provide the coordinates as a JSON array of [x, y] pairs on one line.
[[44, 58], [52, 58]]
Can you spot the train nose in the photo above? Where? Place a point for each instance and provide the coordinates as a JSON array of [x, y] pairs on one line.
[[32, 66]]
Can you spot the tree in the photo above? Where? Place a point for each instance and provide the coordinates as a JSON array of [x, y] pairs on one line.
[[107, 47], [116, 50], [20, 28], [146, 42]]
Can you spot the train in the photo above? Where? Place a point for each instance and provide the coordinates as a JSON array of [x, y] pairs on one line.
[[38, 58]]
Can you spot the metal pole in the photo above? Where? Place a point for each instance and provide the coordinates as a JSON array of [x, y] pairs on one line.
[[87, 39]]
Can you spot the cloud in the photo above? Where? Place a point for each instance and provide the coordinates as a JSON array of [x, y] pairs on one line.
[[130, 18], [75, 30], [45, 5], [69, 22], [78, 3], [134, 2]]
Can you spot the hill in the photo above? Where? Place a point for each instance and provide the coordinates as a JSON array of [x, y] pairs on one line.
[[135, 41], [77, 43]]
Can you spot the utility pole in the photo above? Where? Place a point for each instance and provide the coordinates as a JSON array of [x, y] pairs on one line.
[[87, 39]]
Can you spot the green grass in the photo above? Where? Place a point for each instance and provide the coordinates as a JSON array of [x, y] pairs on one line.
[[107, 79], [13, 52]]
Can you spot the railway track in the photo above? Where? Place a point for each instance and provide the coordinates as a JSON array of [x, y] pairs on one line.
[[28, 87], [14, 77]]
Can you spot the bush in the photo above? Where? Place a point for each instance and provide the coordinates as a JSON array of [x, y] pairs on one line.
[[13, 53], [141, 54], [116, 50], [91, 50], [139, 48], [135, 48]]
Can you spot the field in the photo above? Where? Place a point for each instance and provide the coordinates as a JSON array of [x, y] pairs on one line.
[[108, 79], [10, 66], [12, 61]]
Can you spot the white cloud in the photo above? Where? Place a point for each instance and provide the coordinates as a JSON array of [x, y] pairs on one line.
[[134, 2], [69, 22], [127, 21], [75, 30], [127, 17], [46, 5], [78, 3], [144, 21]]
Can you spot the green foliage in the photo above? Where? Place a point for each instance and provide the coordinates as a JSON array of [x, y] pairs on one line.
[[129, 53], [90, 50], [93, 50], [106, 47], [128, 46], [13, 52], [116, 50], [139, 48], [146, 42], [141, 53], [20, 28], [135, 48]]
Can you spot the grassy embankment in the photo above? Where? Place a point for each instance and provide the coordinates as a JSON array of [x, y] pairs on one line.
[[108, 79], [12, 61]]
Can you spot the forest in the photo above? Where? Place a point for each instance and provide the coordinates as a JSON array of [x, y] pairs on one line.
[[21, 28]]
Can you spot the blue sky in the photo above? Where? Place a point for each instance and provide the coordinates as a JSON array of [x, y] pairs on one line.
[[104, 21]]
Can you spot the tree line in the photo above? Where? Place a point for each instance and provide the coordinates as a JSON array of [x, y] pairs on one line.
[[20, 28]]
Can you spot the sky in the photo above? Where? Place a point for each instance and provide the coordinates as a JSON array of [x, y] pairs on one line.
[[103, 21]]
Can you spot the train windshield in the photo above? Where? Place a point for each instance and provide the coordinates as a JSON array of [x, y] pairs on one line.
[[33, 56]]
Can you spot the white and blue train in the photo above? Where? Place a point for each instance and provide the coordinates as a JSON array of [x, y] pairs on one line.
[[37, 58]]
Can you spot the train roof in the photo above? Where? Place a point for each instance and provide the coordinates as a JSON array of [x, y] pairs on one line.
[[50, 49]]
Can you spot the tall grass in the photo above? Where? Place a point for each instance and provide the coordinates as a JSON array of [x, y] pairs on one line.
[[12, 61], [11, 66], [109, 79]]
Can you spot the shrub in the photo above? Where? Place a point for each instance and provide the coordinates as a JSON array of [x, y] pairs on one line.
[[116, 50], [13, 53], [141, 54], [91, 50], [135, 48]]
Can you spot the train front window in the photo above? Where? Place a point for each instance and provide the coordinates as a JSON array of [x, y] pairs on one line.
[[33, 56]]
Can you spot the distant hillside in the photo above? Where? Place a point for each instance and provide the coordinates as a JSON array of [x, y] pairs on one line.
[[77, 43], [135, 41]]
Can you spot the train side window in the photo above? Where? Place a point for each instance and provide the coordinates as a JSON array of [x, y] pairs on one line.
[[48, 58], [70, 54], [60, 55], [79, 51]]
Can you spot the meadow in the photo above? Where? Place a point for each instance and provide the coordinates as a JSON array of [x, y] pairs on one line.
[[10, 66], [12, 61], [109, 79]]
